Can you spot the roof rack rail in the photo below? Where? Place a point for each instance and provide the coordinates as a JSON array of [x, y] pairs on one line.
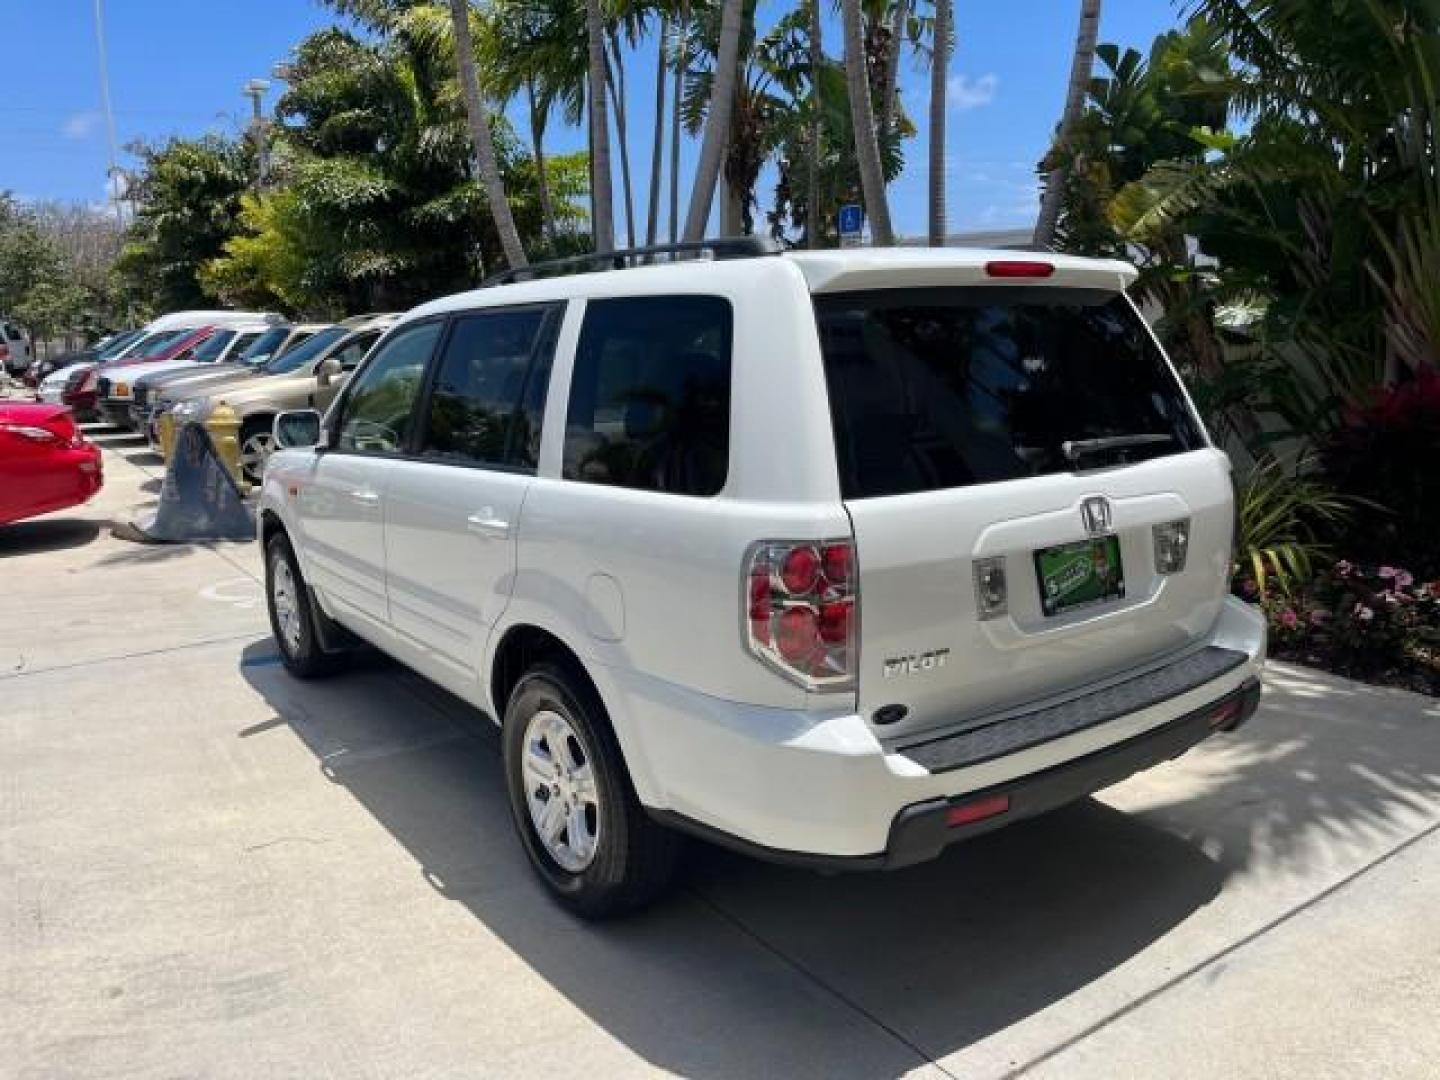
[[730, 247]]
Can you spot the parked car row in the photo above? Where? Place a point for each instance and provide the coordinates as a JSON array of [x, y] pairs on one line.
[[190, 361]]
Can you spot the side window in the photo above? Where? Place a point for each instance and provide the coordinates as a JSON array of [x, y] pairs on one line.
[[650, 396], [381, 401], [484, 406], [243, 342], [355, 351]]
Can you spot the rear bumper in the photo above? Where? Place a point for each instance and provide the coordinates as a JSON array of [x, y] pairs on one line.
[[820, 790]]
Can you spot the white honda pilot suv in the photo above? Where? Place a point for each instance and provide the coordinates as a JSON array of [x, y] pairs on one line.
[[832, 557]]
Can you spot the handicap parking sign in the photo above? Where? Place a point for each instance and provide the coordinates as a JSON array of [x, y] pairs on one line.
[[851, 221]]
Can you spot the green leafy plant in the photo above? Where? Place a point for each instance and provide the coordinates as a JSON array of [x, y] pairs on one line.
[[1285, 516]]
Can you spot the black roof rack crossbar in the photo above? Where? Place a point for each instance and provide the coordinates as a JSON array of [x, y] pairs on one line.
[[730, 247]]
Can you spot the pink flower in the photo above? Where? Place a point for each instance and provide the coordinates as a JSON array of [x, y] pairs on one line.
[[1387, 572], [1404, 579], [1363, 613], [1289, 619]]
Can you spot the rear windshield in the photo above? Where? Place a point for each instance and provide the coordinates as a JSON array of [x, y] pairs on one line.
[[943, 388]]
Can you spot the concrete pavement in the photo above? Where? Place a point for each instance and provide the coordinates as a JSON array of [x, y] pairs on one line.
[[209, 869]]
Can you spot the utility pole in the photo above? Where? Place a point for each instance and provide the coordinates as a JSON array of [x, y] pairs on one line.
[[112, 172], [255, 91]]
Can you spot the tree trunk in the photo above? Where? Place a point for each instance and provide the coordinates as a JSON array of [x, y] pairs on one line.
[[889, 105], [717, 123], [939, 72], [1080, 68], [480, 137], [615, 80], [867, 147], [657, 152], [681, 45], [542, 181], [602, 206], [814, 219]]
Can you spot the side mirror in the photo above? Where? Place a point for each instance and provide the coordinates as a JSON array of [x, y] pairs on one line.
[[298, 429], [330, 369]]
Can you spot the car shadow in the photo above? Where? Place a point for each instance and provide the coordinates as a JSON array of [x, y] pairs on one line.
[[48, 534], [948, 953]]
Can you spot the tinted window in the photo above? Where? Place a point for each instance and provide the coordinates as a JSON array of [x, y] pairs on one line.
[[296, 358], [211, 348], [941, 388], [353, 351], [120, 343], [483, 406], [380, 402], [650, 397], [259, 350], [242, 343], [158, 343]]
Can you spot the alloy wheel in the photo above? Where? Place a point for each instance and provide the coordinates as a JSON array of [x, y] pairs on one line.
[[560, 790]]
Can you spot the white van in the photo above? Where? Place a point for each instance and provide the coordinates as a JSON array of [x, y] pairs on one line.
[[836, 558]]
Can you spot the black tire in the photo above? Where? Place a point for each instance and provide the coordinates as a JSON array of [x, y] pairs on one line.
[[634, 858], [300, 650]]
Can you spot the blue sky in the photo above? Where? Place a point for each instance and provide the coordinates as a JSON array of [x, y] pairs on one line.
[[177, 67]]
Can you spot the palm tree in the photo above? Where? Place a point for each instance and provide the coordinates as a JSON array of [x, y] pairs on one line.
[[681, 51], [867, 147], [601, 199], [939, 85], [899, 29], [615, 82], [817, 129], [1080, 68], [717, 124], [480, 137], [657, 150]]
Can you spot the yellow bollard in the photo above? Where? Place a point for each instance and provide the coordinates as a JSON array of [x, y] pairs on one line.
[[165, 433], [223, 425]]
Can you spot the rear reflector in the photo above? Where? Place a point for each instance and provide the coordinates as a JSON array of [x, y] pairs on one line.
[[979, 810], [1227, 714], [1019, 268]]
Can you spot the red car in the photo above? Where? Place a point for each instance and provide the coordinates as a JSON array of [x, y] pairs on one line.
[[45, 463], [112, 391]]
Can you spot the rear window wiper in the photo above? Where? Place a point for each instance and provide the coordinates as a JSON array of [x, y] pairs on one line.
[[1075, 449]]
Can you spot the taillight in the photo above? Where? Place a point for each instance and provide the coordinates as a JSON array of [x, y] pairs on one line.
[[802, 610], [4, 352], [90, 381], [1019, 268]]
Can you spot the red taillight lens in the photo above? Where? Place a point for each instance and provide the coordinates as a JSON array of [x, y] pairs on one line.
[[798, 636], [802, 609], [800, 570], [1019, 268], [979, 810]]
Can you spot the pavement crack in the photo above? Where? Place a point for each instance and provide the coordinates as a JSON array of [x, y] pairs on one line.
[[19, 674], [286, 840], [817, 981]]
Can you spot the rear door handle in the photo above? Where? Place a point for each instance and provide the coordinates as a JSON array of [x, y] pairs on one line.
[[366, 497], [485, 523]]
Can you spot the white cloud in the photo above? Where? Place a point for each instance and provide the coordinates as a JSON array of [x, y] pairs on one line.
[[81, 126], [965, 93]]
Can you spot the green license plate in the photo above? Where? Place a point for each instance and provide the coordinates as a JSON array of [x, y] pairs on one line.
[[1078, 575]]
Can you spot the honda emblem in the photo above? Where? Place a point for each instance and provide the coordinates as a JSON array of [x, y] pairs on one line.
[[1095, 513]]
